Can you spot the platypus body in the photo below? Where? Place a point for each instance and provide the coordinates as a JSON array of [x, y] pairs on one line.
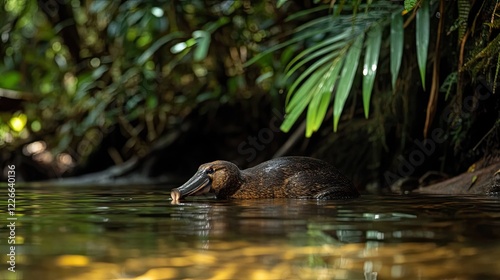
[[285, 177]]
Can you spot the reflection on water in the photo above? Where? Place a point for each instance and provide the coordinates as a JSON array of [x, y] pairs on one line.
[[136, 233]]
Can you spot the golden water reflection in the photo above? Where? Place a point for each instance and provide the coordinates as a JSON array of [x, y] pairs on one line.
[[134, 233], [243, 260]]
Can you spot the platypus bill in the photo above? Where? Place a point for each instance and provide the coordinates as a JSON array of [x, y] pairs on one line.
[[285, 177]]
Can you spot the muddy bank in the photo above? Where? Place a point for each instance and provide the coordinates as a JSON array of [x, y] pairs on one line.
[[477, 182]]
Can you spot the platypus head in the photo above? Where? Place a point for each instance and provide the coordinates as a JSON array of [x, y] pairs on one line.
[[210, 177]]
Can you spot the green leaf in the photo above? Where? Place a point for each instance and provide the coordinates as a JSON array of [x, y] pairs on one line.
[[152, 101], [99, 71], [448, 84], [280, 3], [322, 47], [397, 39], [156, 45], [320, 101], [422, 38], [287, 54], [306, 73], [323, 107], [373, 42], [300, 14], [281, 45], [355, 5], [340, 7], [301, 99], [203, 43], [264, 77], [291, 118], [304, 90], [410, 4], [98, 6], [210, 27], [331, 51], [319, 23], [312, 110], [347, 78], [10, 80], [325, 96]]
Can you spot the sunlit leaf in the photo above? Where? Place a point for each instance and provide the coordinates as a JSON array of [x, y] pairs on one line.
[[203, 43], [144, 40], [322, 108], [373, 42], [327, 89], [306, 73], [156, 45], [397, 38], [18, 122], [304, 90], [157, 12], [323, 92], [301, 99], [280, 3], [313, 106], [330, 38], [292, 117], [346, 79], [410, 4], [264, 77], [422, 38]]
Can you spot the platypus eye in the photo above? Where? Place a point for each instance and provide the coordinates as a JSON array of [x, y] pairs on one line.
[[209, 171]]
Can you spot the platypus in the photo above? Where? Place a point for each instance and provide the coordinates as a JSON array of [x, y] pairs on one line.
[[284, 177]]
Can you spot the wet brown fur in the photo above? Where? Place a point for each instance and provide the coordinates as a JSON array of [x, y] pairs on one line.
[[286, 177]]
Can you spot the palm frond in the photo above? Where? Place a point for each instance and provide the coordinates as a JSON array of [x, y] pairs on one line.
[[333, 54], [422, 38], [373, 42], [397, 39], [346, 79], [321, 97]]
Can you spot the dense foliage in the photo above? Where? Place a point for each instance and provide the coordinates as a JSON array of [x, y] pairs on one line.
[[119, 76], [88, 68]]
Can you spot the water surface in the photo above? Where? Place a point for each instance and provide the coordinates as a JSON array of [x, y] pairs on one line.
[[135, 232]]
